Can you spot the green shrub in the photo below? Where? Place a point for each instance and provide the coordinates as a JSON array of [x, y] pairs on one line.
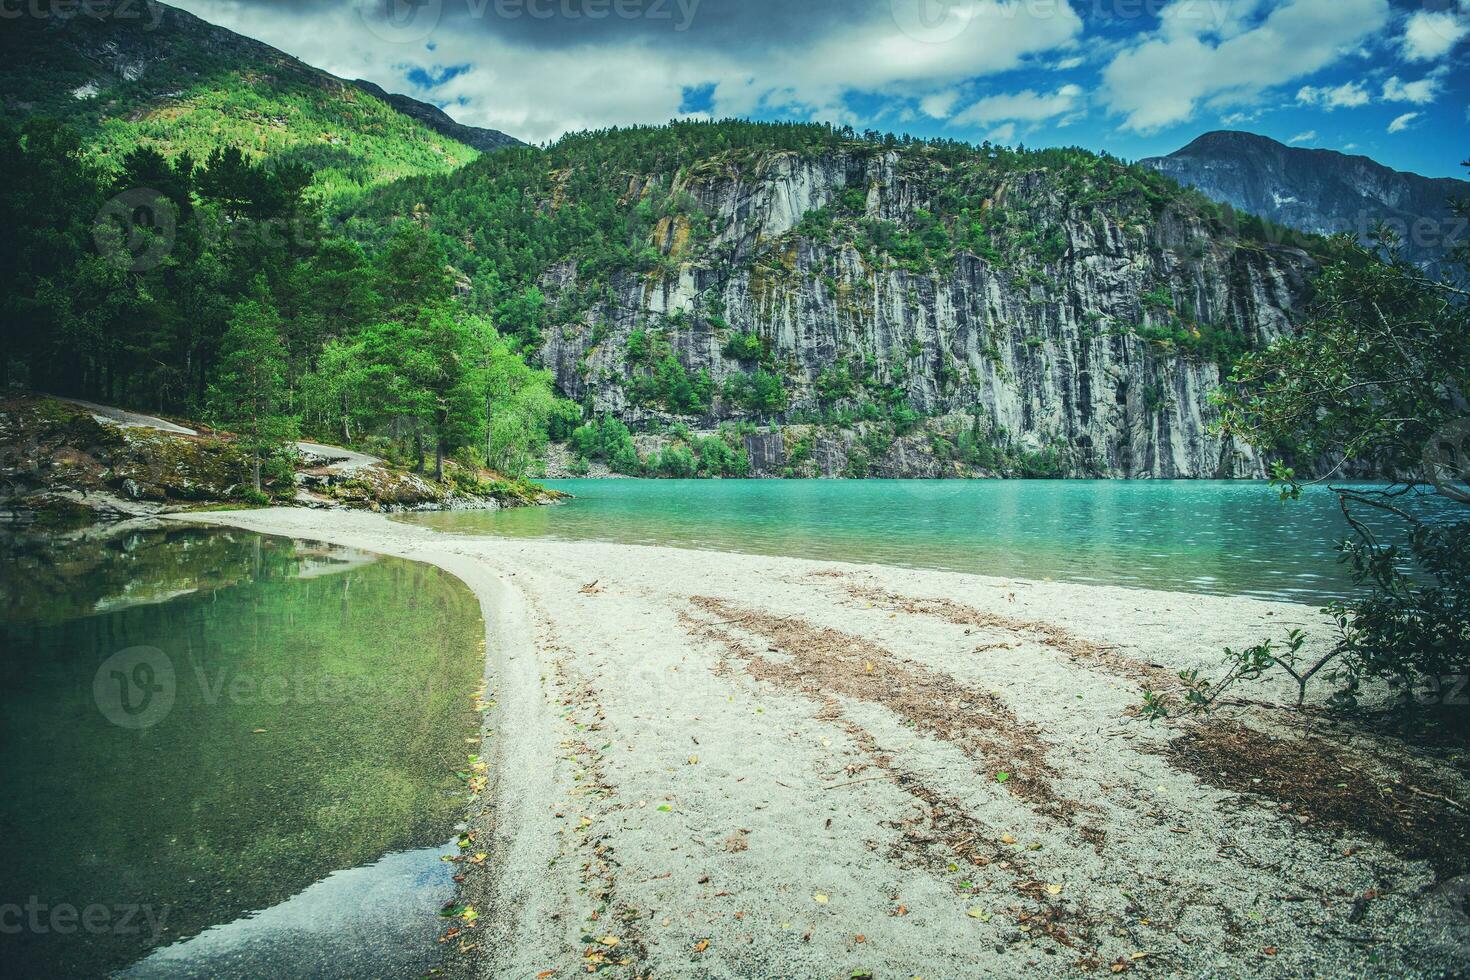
[[748, 348]]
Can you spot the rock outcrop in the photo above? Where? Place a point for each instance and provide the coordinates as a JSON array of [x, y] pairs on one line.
[[61, 464], [1091, 333]]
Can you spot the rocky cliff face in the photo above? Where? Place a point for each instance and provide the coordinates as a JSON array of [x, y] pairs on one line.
[[1086, 337], [1323, 191]]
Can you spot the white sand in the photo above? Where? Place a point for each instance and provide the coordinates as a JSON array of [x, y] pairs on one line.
[[679, 750]]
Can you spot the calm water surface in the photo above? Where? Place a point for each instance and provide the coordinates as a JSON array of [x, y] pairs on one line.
[[1221, 537], [234, 752]]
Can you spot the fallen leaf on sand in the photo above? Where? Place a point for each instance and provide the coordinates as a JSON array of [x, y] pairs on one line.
[[978, 913], [701, 946], [819, 898], [1007, 839], [544, 974], [1054, 889], [609, 940]]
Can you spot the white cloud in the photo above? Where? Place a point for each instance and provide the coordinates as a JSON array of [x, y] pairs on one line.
[[1348, 95], [1231, 59], [539, 92], [1237, 118], [1403, 122], [1306, 137], [1422, 92], [1067, 64], [1431, 34], [1027, 106], [1002, 134], [939, 105]]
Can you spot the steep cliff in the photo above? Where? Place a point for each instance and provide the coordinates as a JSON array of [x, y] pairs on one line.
[[1323, 191], [854, 307]]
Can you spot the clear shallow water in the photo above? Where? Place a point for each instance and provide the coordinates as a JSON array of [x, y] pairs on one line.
[[1217, 537], [234, 752]]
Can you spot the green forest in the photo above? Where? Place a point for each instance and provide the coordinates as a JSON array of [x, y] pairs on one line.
[[251, 290], [210, 289]]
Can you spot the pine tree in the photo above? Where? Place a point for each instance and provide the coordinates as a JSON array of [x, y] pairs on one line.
[[249, 392]]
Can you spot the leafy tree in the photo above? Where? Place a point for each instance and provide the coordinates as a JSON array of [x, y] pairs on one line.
[[1377, 376], [413, 270], [522, 316], [248, 395]]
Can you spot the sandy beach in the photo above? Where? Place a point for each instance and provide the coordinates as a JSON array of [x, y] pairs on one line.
[[726, 765]]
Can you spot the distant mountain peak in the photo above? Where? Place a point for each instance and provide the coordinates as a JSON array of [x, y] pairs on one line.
[[1323, 191]]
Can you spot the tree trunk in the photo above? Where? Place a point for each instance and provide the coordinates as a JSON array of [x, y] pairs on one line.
[[438, 460], [418, 449], [255, 470]]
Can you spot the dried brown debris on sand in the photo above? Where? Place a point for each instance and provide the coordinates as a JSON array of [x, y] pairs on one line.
[[739, 766]]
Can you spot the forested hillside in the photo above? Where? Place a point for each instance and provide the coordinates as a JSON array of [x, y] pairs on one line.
[[212, 289], [130, 75], [854, 304]]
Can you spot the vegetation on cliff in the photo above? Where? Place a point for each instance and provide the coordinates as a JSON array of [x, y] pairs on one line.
[[1378, 375], [610, 255]]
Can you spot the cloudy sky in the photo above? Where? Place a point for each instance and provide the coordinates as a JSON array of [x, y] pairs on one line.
[[1386, 78]]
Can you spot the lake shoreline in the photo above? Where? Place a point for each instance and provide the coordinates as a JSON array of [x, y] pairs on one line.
[[755, 765]]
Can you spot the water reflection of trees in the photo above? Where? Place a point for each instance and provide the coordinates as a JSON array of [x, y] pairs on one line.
[[48, 578]]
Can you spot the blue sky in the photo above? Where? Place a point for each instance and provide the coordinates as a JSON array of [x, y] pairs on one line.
[[1389, 79]]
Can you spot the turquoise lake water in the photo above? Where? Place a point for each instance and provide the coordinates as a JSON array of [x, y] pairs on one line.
[[228, 755], [1232, 538]]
